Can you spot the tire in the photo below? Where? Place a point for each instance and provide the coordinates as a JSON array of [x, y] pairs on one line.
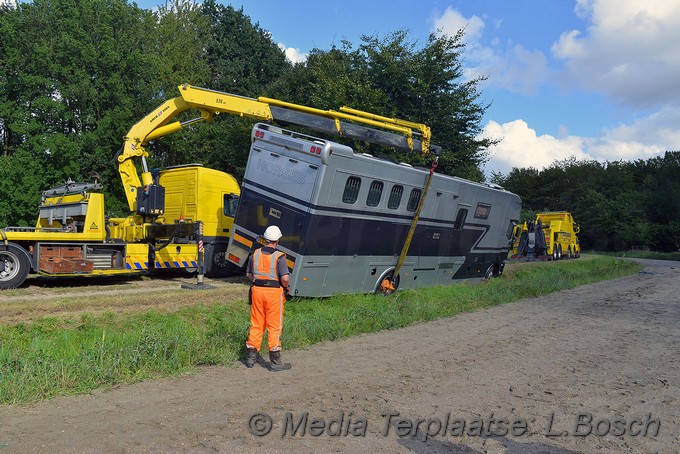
[[216, 263], [569, 254], [559, 252], [14, 266], [490, 273], [555, 255]]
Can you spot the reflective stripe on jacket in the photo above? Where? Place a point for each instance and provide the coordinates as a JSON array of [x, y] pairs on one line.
[[264, 265]]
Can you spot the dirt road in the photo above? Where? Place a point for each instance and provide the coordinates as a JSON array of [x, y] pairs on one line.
[[522, 378]]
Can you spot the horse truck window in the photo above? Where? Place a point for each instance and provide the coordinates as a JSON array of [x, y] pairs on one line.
[[351, 190]]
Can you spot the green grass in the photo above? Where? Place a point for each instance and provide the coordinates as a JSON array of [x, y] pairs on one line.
[[643, 255], [52, 357]]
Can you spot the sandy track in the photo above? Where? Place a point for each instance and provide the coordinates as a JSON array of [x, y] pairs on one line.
[[609, 350]]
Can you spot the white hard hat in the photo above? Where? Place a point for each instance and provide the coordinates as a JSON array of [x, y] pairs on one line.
[[273, 233]]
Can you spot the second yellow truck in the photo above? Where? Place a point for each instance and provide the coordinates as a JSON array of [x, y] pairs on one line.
[[551, 236]]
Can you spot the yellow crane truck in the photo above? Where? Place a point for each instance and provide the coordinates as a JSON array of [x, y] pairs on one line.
[[182, 216], [551, 236]]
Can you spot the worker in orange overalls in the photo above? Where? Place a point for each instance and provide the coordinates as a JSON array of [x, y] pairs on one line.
[[268, 272]]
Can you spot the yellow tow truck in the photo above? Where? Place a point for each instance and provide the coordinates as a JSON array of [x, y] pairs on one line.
[[551, 236]]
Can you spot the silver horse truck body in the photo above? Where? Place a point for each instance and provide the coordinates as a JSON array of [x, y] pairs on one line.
[[345, 217]]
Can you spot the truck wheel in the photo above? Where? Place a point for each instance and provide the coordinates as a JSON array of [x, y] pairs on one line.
[[555, 255], [216, 262], [559, 252], [14, 266], [569, 254]]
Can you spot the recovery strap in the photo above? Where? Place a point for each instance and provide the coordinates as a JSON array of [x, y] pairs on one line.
[[388, 285]]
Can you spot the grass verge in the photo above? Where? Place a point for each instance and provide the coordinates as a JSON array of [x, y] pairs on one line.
[[643, 255], [50, 357]]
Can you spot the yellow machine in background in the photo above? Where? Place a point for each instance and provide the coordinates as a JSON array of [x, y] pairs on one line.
[[551, 236]]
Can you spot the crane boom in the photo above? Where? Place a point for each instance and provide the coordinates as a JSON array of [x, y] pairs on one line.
[[349, 123]]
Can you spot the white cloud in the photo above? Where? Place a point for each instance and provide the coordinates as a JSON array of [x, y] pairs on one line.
[[628, 52], [522, 147], [515, 68], [518, 70], [452, 21], [642, 139], [293, 54]]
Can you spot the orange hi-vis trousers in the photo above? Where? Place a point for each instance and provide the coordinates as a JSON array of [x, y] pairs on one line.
[[266, 312]]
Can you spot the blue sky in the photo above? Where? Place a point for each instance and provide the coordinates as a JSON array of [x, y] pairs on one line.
[[594, 79]]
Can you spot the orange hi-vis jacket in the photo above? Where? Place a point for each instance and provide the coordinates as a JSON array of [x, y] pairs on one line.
[[268, 300]]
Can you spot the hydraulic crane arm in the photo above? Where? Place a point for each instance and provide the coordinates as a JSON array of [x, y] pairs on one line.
[[394, 133], [157, 124]]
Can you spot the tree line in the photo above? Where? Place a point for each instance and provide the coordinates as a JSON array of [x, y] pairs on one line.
[[619, 205], [75, 75]]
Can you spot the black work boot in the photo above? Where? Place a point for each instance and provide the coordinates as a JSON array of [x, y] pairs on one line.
[[275, 364], [251, 358]]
